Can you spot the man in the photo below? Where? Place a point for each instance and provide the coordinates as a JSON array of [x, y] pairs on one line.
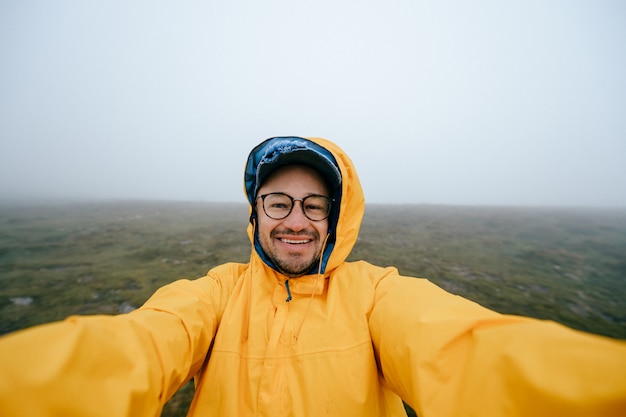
[[298, 331]]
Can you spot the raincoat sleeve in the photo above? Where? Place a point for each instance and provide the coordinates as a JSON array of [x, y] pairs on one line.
[[447, 356], [127, 365]]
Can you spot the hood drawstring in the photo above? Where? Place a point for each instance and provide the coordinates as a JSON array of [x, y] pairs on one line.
[[246, 314], [317, 279]]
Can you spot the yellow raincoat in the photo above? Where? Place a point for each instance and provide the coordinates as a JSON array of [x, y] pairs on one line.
[[351, 342]]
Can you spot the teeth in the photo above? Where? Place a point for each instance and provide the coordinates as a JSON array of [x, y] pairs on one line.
[[298, 242]]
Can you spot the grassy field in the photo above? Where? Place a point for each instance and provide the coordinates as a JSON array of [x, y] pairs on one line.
[[567, 265]]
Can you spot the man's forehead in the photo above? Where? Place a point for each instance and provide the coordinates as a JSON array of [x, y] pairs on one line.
[[296, 174]]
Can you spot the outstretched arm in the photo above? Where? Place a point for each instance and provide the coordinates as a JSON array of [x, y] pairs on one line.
[[126, 365], [447, 356]]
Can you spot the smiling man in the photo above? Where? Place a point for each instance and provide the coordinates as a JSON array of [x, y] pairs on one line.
[[292, 237], [299, 331]]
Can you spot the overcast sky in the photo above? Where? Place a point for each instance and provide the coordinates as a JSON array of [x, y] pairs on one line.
[[443, 102]]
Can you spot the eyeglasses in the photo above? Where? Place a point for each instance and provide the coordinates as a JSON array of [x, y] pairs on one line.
[[277, 206]]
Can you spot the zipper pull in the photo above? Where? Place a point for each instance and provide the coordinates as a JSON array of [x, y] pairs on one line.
[[288, 290]]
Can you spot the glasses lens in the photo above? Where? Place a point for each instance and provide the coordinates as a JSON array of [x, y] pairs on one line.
[[277, 206], [316, 207]]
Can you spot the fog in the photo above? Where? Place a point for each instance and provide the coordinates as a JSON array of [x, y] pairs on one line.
[[473, 103]]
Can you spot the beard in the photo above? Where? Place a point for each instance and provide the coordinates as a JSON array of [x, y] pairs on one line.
[[295, 267], [292, 263]]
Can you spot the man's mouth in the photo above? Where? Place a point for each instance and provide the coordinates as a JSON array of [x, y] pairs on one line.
[[295, 242]]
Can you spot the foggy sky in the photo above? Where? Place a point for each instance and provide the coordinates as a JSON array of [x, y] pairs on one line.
[[478, 103]]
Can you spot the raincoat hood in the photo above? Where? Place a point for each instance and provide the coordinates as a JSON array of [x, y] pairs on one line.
[[336, 168]]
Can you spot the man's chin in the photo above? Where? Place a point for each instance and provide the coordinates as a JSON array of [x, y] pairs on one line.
[[294, 271]]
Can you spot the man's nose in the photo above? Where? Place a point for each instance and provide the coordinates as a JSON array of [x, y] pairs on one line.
[[296, 220]]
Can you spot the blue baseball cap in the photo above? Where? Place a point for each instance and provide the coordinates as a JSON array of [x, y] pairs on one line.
[[277, 152]]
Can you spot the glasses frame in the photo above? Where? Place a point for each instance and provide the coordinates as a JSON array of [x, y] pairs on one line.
[[293, 203]]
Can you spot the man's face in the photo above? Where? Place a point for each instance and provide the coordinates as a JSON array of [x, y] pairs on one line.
[[294, 243]]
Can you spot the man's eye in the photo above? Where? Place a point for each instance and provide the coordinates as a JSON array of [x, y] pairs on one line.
[[314, 207]]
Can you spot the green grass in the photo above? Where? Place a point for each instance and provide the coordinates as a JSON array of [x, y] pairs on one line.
[[567, 265], [92, 258]]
